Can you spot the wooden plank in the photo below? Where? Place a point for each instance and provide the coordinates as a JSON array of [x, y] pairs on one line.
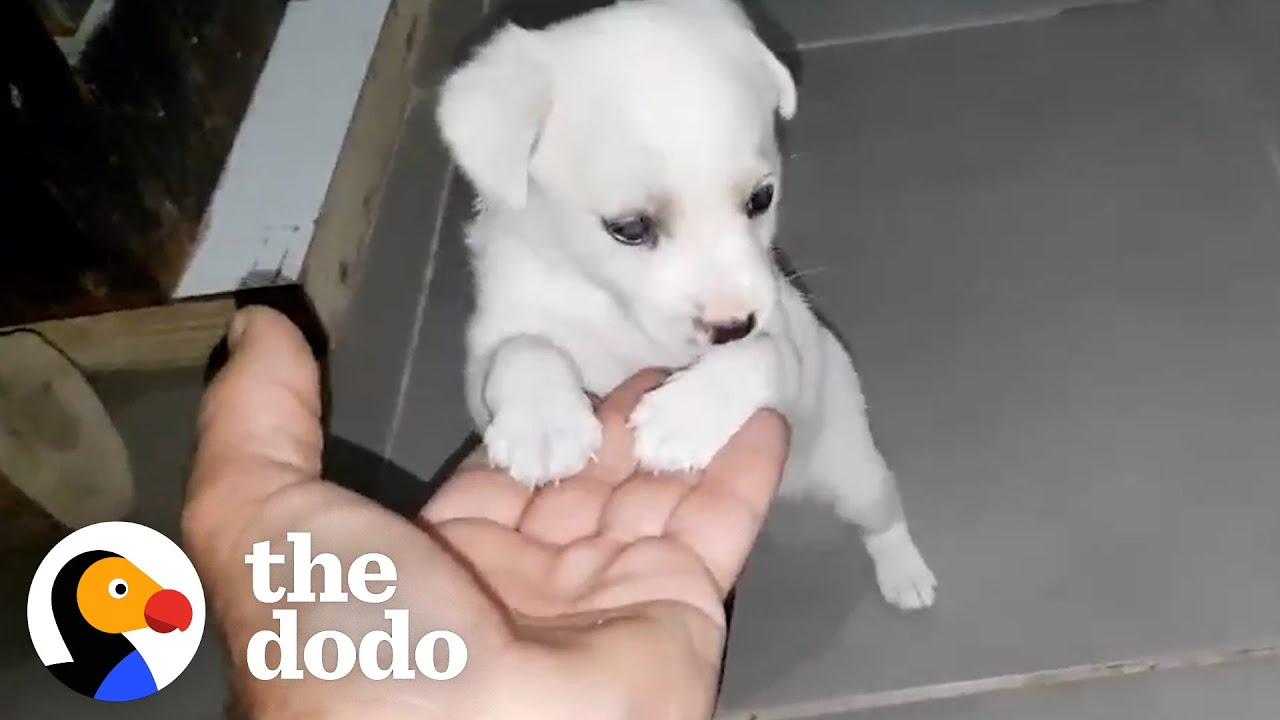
[[63, 464], [164, 336], [287, 149], [58, 446], [322, 157], [334, 260], [183, 333]]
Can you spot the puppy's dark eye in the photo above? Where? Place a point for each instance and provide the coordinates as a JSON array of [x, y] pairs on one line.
[[760, 201], [633, 230]]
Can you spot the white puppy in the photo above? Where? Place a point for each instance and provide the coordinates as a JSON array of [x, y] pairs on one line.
[[627, 173]]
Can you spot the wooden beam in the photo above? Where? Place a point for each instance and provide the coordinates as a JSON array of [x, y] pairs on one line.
[[165, 336], [334, 259], [58, 446], [183, 332], [323, 158]]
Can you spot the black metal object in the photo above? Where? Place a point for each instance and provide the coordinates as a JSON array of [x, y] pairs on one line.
[[108, 159], [728, 626]]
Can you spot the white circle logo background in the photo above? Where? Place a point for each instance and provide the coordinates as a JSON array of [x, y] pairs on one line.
[[167, 655]]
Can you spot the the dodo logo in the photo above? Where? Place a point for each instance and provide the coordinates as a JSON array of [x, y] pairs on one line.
[[116, 611]]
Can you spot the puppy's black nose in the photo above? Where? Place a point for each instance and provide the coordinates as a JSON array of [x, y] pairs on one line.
[[732, 330]]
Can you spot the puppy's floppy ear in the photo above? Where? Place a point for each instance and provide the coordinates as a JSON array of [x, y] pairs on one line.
[[491, 111], [782, 80]]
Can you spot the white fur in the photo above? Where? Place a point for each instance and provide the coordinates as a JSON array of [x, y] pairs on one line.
[[666, 107]]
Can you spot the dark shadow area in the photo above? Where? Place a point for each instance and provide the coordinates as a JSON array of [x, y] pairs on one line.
[[385, 482], [540, 14], [19, 563]]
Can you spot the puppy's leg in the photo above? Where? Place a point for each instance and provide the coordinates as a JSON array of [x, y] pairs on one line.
[[681, 425], [847, 469], [537, 421]]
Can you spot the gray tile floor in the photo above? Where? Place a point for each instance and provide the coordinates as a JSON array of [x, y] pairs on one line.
[[1052, 242], [1053, 248], [816, 23], [1245, 692]]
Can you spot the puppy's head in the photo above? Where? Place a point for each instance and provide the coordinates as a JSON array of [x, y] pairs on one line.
[[640, 139]]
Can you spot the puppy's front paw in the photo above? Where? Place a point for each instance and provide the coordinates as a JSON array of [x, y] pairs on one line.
[[538, 442], [680, 426], [905, 579]]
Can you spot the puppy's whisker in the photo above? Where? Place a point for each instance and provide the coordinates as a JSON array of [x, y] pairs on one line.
[[803, 273]]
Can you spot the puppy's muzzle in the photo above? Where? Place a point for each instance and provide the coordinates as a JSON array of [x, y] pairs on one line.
[[721, 333]]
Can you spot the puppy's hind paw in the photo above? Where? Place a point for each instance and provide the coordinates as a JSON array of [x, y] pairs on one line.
[[905, 580], [537, 443]]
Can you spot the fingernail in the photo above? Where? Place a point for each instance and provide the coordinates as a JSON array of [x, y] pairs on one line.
[[236, 331]]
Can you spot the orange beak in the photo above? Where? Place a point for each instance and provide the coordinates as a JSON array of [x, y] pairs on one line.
[[168, 610]]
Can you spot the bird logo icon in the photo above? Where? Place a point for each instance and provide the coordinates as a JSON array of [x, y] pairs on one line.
[[116, 611]]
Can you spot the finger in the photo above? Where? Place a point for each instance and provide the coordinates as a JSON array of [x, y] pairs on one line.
[[615, 460], [571, 509], [557, 513], [479, 492], [617, 405], [262, 411], [642, 507], [721, 517], [477, 459], [566, 511], [528, 575]]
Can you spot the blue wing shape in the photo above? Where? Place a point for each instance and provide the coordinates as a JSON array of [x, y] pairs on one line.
[[130, 679]]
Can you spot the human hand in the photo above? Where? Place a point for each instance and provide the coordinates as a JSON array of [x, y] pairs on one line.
[[599, 597]]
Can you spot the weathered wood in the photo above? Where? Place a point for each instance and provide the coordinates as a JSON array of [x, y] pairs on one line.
[[62, 463], [58, 446], [335, 257], [110, 160], [151, 334], [174, 335], [149, 338]]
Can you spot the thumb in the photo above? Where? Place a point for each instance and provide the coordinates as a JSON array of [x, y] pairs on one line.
[[259, 425]]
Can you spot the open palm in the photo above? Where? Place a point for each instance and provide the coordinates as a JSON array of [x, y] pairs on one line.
[[597, 597]]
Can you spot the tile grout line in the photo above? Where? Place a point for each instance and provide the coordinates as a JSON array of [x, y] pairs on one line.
[[420, 310], [922, 30], [1044, 678]]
